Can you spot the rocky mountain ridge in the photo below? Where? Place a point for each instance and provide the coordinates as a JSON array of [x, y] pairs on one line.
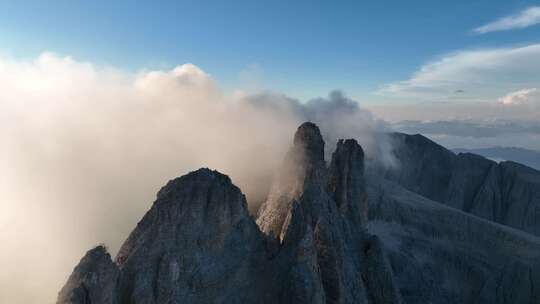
[[530, 158], [326, 234], [507, 192], [198, 244], [443, 255]]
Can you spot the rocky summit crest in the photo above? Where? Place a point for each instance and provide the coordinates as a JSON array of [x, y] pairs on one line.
[[317, 240], [198, 244]]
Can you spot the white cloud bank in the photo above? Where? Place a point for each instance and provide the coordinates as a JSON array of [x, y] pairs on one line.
[[521, 105], [525, 96], [471, 75], [84, 149], [510, 120], [525, 18]]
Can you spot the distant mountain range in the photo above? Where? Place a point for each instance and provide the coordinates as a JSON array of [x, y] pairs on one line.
[[527, 157]]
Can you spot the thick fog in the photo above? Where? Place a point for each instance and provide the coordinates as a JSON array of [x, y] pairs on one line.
[[85, 148]]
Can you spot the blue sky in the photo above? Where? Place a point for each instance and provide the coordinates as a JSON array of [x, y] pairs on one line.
[[304, 49]]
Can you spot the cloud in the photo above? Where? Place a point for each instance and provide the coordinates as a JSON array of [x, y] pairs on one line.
[[468, 128], [337, 115], [84, 149], [510, 120], [523, 19], [477, 74], [524, 96], [528, 110], [476, 133]]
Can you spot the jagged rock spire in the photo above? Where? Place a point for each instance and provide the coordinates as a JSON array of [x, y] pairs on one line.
[[303, 165], [309, 148], [198, 244], [92, 281], [319, 215], [346, 179]]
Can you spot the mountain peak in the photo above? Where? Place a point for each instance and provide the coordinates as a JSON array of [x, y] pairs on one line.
[[346, 179], [92, 281], [198, 244], [182, 208], [308, 137], [303, 165], [202, 177]]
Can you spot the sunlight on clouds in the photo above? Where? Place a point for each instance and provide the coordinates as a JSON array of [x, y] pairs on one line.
[[521, 97], [85, 148], [478, 74]]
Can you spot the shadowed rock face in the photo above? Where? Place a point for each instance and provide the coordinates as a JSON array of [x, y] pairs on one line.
[[93, 280], [507, 193], [315, 243], [303, 166], [346, 180], [321, 224], [443, 255], [198, 244], [309, 146]]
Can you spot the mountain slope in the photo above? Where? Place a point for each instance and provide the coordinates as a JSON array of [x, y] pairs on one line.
[[506, 192], [198, 244], [442, 255], [329, 234]]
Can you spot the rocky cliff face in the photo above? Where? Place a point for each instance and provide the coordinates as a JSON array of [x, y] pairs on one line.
[[443, 255], [198, 244], [303, 166], [93, 280], [331, 257], [332, 234], [507, 193]]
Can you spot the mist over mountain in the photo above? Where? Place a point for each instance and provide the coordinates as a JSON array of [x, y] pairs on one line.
[[510, 121], [440, 228], [269, 152], [93, 143]]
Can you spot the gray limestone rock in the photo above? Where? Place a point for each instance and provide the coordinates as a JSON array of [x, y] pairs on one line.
[[331, 204], [304, 164], [197, 244], [92, 281], [332, 234], [507, 193], [442, 255], [346, 180]]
